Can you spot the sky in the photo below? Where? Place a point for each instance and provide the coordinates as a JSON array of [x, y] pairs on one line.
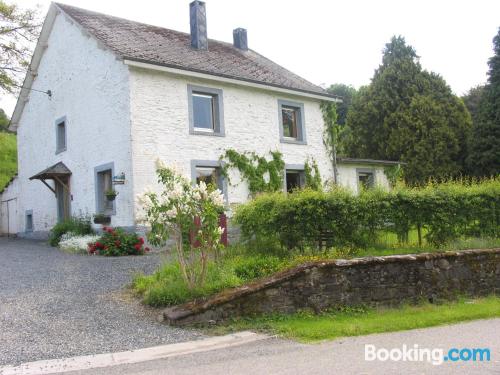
[[331, 41]]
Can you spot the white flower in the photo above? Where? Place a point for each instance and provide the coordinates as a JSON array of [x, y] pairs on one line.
[[76, 244], [217, 198], [160, 164], [220, 231]]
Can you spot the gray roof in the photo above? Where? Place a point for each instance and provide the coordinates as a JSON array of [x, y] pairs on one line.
[[156, 45], [56, 170]]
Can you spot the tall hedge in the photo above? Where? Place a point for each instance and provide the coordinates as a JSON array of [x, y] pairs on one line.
[[340, 218]]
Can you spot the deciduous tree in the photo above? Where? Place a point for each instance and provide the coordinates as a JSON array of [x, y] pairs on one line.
[[19, 29]]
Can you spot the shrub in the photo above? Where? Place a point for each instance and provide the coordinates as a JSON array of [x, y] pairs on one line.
[[318, 219], [73, 243], [117, 242], [249, 268], [75, 225]]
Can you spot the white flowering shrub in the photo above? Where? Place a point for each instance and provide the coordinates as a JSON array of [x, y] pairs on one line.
[[190, 215], [77, 244]]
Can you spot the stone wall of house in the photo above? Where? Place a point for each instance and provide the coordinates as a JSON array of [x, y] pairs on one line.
[[90, 88], [387, 281], [160, 128]]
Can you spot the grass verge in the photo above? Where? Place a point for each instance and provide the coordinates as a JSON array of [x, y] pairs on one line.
[[307, 327]]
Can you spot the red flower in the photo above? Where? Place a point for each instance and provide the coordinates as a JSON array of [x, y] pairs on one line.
[[141, 240], [138, 246], [147, 249], [105, 228], [98, 245]]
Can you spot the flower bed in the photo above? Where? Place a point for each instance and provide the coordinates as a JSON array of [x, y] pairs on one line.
[[76, 244], [117, 242]]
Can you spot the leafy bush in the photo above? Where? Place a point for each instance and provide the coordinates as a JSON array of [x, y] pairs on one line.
[[76, 225], [73, 243], [167, 287], [255, 267], [117, 242], [306, 218]]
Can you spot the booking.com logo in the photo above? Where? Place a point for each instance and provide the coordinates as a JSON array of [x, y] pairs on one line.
[[435, 356]]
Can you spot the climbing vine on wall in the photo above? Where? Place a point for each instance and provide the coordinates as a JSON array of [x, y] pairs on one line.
[[312, 175], [254, 169]]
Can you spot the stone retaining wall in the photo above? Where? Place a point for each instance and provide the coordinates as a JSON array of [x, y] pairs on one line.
[[388, 281]]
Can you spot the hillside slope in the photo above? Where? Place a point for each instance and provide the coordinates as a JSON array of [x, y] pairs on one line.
[[8, 158]]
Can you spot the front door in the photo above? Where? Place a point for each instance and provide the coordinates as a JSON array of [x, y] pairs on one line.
[[63, 199]]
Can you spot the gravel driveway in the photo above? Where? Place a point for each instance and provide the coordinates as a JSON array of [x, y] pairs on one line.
[[55, 305]]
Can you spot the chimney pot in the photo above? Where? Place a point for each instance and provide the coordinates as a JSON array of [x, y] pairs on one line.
[[198, 22], [240, 39]]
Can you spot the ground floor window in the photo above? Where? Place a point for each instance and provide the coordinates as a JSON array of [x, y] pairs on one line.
[[29, 221], [295, 179], [366, 178], [104, 184], [210, 172]]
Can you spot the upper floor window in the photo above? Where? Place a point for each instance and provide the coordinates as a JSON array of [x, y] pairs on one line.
[[205, 111], [291, 121], [61, 135]]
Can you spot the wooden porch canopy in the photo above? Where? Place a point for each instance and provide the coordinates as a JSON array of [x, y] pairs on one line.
[[58, 172]]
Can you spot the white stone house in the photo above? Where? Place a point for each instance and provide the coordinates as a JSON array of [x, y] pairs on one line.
[[105, 97]]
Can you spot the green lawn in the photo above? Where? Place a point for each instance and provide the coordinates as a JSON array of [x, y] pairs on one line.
[[8, 158], [307, 327]]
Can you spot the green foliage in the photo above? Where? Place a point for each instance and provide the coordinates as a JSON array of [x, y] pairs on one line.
[[411, 115], [4, 121], [249, 268], [317, 219], [254, 169], [484, 155], [117, 242], [8, 158], [394, 174], [472, 100], [166, 286], [19, 29], [312, 175], [77, 225], [346, 93]]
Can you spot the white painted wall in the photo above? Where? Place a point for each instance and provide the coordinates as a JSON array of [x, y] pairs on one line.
[[8, 208], [160, 128], [89, 87], [348, 177]]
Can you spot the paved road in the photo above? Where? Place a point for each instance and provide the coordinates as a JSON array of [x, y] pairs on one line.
[[344, 356], [55, 305]]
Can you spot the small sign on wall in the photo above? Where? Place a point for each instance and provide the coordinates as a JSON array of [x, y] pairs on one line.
[[119, 180]]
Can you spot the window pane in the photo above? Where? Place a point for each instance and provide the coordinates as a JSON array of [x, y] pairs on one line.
[[104, 184], [209, 176], [61, 136], [292, 180], [203, 111], [366, 180], [289, 115]]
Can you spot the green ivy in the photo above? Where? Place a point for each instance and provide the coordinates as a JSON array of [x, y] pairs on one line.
[[254, 168], [312, 175]]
